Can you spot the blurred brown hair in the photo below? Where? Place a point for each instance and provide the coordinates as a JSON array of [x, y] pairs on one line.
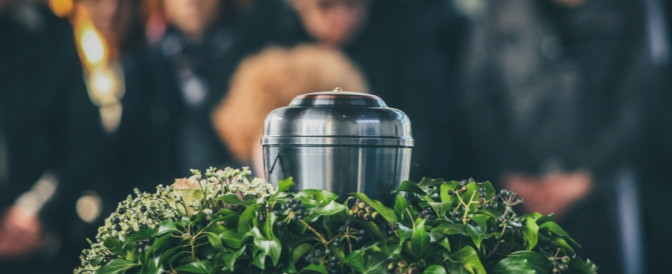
[[271, 79]]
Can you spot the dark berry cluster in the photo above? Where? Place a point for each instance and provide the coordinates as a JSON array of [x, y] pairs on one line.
[[146, 243], [324, 257], [349, 234], [363, 211], [428, 213], [292, 210], [509, 198], [391, 228], [402, 266]]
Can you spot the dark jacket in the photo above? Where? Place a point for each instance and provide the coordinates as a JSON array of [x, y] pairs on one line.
[[548, 86], [48, 121]]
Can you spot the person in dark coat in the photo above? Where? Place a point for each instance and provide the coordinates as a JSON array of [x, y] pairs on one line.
[[190, 67], [556, 93], [49, 140]]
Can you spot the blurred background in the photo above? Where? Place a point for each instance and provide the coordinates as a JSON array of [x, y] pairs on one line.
[[564, 101]]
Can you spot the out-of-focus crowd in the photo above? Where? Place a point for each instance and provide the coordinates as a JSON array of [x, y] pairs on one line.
[[566, 102]]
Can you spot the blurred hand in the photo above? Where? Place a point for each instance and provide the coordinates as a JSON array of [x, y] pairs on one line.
[[549, 193], [20, 233]]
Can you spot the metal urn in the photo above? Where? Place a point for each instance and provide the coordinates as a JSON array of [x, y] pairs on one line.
[[338, 141]]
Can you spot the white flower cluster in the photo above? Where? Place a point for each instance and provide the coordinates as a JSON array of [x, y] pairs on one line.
[[147, 210]]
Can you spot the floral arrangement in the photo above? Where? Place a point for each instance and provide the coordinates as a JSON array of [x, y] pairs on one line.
[[226, 222]]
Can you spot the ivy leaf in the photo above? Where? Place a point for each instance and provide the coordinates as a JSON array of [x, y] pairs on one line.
[[214, 240], [232, 199], [435, 269], [409, 186], [552, 227], [581, 266], [419, 240], [319, 268], [166, 227], [231, 258], [468, 259], [444, 188], [233, 239], [299, 251], [114, 245], [196, 267], [117, 266], [355, 260], [286, 184], [246, 218], [159, 243], [331, 208], [387, 213], [476, 234], [561, 242], [429, 182], [321, 196], [524, 262], [266, 247], [531, 232], [450, 229]]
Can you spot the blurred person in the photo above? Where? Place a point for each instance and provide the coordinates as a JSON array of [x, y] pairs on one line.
[[557, 94], [386, 41], [191, 66], [271, 79], [49, 140], [655, 171]]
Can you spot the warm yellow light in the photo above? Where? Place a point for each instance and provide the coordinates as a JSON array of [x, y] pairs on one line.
[[61, 7], [92, 45]]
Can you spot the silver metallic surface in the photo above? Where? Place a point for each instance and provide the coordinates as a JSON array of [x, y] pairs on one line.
[[338, 141]]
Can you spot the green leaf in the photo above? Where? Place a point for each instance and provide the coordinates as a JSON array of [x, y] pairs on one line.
[[233, 239], [435, 269], [355, 260], [158, 243], [196, 267], [468, 259], [321, 196], [330, 209], [114, 245], [450, 229], [405, 233], [373, 229], [561, 242], [166, 226], [429, 182], [419, 240], [286, 184], [576, 265], [214, 240], [314, 268], [531, 232], [266, 247], [232, 199], [524, 262], [444, 188], [299, 251], [231, 258], [387, 213], [117, 266], [409, 186], [554, 228], [246, 218], [476, 233]]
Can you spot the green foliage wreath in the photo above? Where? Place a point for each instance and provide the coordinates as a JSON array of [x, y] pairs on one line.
[[226, 222]]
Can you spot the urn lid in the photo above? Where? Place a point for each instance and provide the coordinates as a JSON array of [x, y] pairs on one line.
[[337, 118]]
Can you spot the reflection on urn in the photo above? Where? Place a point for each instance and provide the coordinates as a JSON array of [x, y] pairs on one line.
[[341, 142]]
